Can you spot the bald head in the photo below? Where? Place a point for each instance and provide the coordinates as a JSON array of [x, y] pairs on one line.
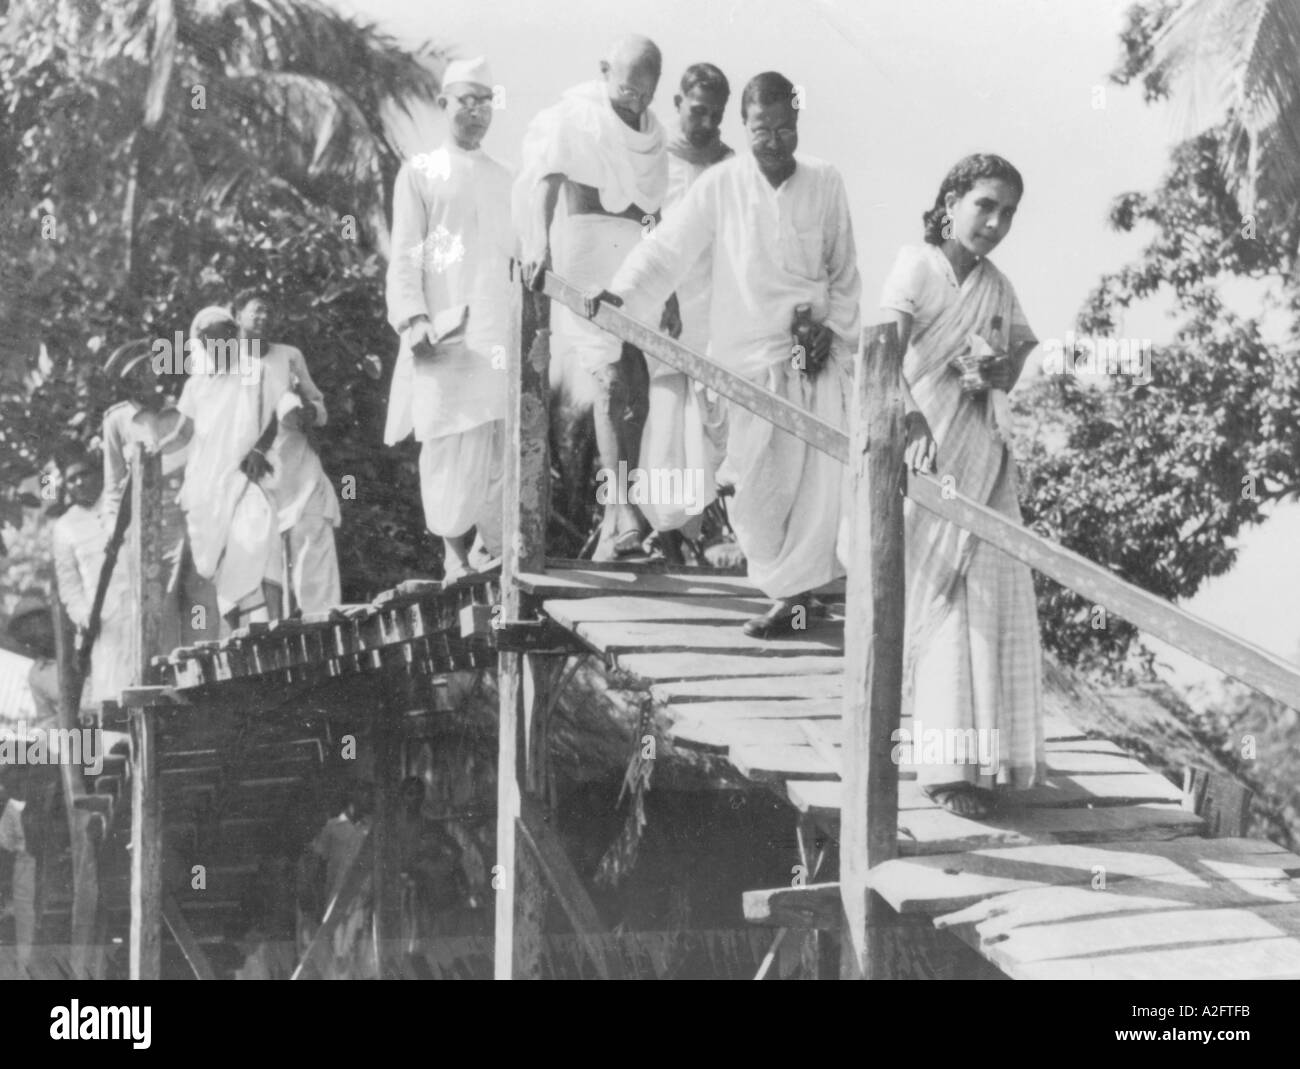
[[635, 52], [631, 70]]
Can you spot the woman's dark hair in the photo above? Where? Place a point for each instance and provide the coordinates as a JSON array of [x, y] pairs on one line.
[[769, 87], [960, 180]]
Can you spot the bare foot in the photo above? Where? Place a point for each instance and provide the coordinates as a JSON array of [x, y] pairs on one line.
[[962, 799], [455, 559]]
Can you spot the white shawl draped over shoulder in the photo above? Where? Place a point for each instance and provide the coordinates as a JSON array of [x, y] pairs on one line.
[[583, 138]]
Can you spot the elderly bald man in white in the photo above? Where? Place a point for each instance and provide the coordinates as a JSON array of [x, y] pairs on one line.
[[451, 299]]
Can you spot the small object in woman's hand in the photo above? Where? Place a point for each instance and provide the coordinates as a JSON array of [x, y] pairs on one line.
[[973, 365]]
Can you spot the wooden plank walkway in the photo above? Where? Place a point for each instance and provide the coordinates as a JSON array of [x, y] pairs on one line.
[[1100, 872], [772, 709]]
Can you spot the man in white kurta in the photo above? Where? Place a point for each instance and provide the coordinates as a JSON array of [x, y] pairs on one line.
[[80, 538], [599, 157], [451, 298], [779, 233], [305, 497], [685, 429]]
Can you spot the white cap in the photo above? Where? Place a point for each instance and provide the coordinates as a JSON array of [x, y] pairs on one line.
[[474, 71]]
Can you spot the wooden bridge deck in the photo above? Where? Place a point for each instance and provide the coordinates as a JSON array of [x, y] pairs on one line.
[[1099, 873], [1102, 872]]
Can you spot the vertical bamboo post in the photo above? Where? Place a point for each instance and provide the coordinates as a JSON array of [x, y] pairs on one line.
[[386, 865], [84, 957], [146, 797], [523, 532], [873, 650]]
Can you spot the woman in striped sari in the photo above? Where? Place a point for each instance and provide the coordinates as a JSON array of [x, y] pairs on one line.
[[972, 653]]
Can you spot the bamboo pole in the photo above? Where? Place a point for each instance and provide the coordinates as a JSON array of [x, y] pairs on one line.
[[146, 796], [525, 508], [873, 650]]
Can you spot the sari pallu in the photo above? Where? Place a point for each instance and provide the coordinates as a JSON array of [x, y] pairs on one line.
[[996, 675]]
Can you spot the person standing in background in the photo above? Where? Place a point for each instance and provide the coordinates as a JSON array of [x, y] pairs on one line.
[[686, 427], [452, 301], [79, 539], [147, 415]]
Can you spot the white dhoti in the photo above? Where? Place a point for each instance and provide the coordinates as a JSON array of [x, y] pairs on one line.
[[586, 251], [312, 558], [461, 479], [787, 509], [685, 434], [242, 550], [111, 667]]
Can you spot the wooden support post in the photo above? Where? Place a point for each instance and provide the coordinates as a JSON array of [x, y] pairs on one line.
[[524, 519], [147, 556], [85, 959], [386, 878], [873, 652], [146, 847], [146, 796]]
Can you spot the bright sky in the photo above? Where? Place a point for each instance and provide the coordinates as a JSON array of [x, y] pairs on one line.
[[895, 93]]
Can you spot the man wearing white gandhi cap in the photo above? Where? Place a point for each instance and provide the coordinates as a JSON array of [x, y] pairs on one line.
[[451, 299]]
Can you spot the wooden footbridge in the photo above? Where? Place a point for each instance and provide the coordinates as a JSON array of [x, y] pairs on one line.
[[1105, 871]]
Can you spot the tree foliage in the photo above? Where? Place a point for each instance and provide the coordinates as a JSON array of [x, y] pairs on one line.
[[275, 183], [1157, 480]]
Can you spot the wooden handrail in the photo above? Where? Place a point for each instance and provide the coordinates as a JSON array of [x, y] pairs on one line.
[[776, 410], [1244, 661]]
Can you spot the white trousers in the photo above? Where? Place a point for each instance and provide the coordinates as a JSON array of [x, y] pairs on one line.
[[461, 478]]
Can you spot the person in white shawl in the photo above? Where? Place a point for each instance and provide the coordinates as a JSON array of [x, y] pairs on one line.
[[452, 301], [972, 654], [229, 404], [779, 232], [602, 147]]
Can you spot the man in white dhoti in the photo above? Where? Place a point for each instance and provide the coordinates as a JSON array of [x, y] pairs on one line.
[[685, 429], [79, 540], [229, 404], [451, 298], [307, 503], [602, 147], [780, 236]]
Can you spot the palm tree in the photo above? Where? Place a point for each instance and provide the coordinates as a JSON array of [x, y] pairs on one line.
[[1237, 62], [211, 94]]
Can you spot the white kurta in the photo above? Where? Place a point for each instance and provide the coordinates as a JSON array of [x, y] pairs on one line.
[[79, 541], [452, 249], [772, 249], [307, 503]]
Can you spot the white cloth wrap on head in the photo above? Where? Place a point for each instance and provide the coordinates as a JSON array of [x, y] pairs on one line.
[[209, 317], [472, 71], [583, 139]]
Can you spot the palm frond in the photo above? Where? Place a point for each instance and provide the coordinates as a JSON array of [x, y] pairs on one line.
[[1237, 62]]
